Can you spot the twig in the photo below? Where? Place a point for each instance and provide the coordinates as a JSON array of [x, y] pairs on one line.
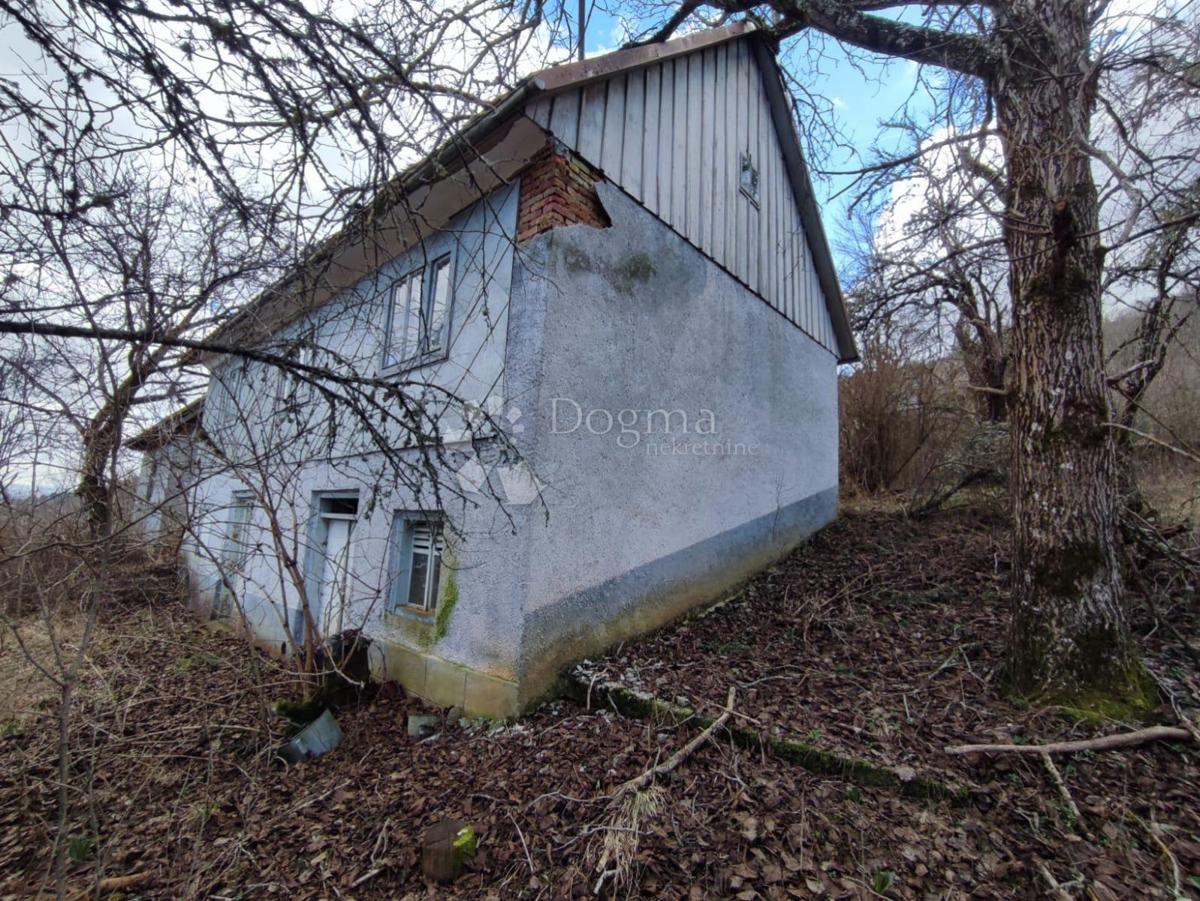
[[1184, 721], [1176, 875], [603, 877], [521, 835], [661, 769], [113, 883], [366, 877], [1057, 889], [320, 797], [1062, 786], [1104, 743]]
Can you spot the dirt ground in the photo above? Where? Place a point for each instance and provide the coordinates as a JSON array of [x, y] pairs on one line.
[[877, 640]]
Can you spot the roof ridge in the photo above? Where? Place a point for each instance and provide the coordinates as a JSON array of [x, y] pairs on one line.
[[579, 72]]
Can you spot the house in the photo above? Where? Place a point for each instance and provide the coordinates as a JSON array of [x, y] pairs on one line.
[[623, 264], [168, 470]]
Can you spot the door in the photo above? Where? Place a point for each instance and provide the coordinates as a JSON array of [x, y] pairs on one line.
[[237, 547], [337, 557]]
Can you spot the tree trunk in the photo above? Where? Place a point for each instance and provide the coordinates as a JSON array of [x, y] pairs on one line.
[[1070, 638], [986, 363]]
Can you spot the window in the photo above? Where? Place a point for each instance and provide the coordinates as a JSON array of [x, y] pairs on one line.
[[235, 551], [419, 313], [300, 381], [417, 549], [151, 475], [748, 177], [228, 402]]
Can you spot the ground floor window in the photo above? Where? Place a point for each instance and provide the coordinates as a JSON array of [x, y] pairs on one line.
[[235, 551], [416, 553]]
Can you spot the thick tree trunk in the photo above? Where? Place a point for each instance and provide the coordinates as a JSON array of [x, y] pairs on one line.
[[986, 363], [1070, 639]]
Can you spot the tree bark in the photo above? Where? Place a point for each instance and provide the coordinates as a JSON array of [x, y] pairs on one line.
[[1069, 636]]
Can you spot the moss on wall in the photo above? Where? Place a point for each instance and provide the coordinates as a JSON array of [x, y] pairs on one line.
[[447, 599]]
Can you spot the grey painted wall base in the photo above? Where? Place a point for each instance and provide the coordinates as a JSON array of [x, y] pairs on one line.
[[651, 595], [631, 604], [444, 683]]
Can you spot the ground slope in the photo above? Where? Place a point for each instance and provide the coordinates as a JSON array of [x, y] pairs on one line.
[[877, 640]]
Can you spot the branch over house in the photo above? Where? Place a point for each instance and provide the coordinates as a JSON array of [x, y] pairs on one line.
[[616, 323]]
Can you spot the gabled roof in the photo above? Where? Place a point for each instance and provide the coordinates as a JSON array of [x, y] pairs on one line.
[[575, 75], [182, 421], [493, 147]]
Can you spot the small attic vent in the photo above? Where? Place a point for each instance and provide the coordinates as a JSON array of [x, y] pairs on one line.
[[748, 177]]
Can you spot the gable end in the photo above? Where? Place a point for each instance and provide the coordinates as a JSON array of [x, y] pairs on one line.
[[703, 138]]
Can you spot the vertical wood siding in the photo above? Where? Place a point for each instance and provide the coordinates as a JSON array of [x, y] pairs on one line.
[[671, 135]]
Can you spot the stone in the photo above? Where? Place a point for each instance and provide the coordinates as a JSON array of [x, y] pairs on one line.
[[447, 847], [422, 724]]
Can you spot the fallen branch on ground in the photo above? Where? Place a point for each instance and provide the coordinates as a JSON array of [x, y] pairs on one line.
[[1171, 860], [661, 769], [643, 706], [1104, 743], [113, 884], [635, 801], [1062, 786]]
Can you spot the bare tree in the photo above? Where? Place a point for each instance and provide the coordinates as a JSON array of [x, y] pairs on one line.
[[160, 164], [942, 265], [933, 255]]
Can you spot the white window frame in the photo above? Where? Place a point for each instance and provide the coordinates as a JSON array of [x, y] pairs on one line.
[[304, 354], [430, 344], [405, 547]]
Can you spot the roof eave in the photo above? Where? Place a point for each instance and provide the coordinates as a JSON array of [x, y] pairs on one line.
[[165, 429], [451, 155], [579, 74], [802, 187]]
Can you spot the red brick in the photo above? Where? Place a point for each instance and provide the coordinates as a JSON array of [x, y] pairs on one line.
[[556, 190]]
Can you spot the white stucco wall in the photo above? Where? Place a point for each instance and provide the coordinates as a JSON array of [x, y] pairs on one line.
[[288, 460], [627, 532], [632, 318]]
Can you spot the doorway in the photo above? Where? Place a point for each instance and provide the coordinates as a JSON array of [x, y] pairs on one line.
[[336, 516]]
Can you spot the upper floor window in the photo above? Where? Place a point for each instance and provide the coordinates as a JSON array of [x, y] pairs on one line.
[[300, 381], [419, 314], [227, 401]]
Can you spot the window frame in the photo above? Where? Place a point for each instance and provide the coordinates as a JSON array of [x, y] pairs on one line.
[[304, 353], [232, 379], [400, 562], [235, 550], [426, 351]]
